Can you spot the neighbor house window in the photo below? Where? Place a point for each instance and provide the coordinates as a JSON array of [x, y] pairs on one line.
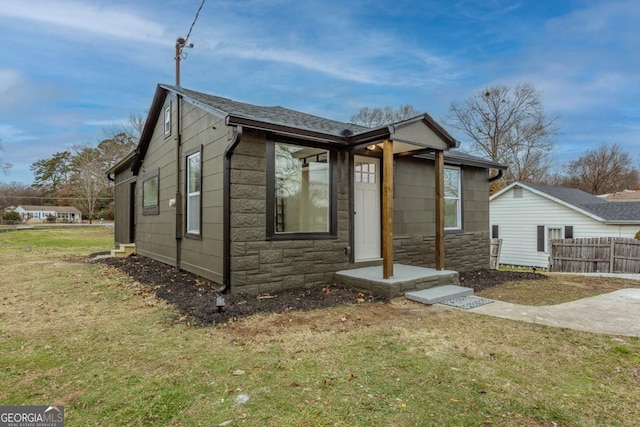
[[452, 199], [300, 192], [194, 185], [150, 193], [167, 120]]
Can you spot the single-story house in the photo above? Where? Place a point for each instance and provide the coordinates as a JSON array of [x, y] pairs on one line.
[[262, 198], [42, 213], [526, 216]]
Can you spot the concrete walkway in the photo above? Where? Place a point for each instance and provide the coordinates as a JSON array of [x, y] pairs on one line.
[[616, 313]]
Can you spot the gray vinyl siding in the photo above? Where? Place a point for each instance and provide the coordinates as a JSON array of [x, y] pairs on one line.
[[414, 217], [155, 234], [204, 256], [414, 198], [122, 218]]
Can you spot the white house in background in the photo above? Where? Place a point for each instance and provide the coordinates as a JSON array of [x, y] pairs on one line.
[[622, 196], [526, 216], [41, 213]]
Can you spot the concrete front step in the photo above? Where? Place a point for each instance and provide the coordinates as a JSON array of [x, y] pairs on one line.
[[406, 278], [439, 294]]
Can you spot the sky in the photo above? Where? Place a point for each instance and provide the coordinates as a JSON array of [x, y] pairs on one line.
[[71, 68]]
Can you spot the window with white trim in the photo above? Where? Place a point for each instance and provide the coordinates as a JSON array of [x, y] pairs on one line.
[[167, 120], [452, 199], [194, 184]]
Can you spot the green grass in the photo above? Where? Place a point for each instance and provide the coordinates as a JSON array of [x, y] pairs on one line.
[[85, 336]]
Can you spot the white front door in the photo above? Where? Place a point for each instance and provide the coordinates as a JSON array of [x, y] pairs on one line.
[[367, 208]]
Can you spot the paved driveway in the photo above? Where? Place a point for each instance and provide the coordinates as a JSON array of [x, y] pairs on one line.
[[615, 313]]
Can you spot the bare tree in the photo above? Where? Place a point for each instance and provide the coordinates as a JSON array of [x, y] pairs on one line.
[[605, 169], [375, 116], [4, 166], [508, 125], [131, 130], [88, 178]]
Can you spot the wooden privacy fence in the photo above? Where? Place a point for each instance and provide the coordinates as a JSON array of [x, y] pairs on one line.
[[595, 255], [494, 255]]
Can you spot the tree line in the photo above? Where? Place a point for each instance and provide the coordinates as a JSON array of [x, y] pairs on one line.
[[77, 177], [505, 124]]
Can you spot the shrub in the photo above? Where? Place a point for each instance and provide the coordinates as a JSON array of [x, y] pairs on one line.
[[12, 216]]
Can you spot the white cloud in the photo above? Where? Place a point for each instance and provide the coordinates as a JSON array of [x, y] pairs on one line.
[[78, 16]]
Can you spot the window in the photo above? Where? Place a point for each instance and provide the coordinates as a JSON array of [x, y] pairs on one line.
[[365, 172], [300, 192], [552, 233], [452, 199], [167, 120], [150, 193], [194, 184]]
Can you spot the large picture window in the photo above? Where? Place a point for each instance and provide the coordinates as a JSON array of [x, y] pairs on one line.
[[194, 184], [150, 193], [452, 199], [300, 191]]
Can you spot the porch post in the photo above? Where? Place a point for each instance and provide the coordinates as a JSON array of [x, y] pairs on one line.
[[387, 210], [439, 184]]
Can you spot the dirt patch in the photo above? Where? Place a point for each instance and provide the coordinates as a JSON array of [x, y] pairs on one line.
[[195, 298], [484, 279]]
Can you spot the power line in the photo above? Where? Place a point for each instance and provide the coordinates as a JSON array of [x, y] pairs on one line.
[[50, 197], [194, 21]]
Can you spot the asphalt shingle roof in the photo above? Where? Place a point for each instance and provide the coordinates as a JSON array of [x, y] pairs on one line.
[[608, 211], [275, 115]]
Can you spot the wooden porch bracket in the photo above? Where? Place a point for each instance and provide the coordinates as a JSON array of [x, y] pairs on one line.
[[439, 184], [387, 210]]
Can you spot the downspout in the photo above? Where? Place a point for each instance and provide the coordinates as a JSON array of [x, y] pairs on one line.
[[178, 201], [228, 152], [498, 176]]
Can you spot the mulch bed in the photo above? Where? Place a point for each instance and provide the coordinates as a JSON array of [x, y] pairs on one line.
[[195, 298]]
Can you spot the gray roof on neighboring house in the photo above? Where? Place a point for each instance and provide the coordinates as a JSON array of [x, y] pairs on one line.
[[57, 209], [608, 211]]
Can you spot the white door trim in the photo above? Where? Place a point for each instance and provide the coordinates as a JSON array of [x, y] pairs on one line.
[[366, 220]]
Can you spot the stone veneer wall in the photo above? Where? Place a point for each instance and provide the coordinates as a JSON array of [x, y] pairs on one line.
[[259, 265], [463, 251]]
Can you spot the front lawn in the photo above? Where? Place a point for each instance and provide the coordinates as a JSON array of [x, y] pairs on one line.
[[88, 337]]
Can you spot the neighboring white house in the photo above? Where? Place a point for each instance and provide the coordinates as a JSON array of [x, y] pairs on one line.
[[41, 213], [526, 216]]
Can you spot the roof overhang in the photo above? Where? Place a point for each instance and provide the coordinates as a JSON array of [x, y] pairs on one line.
[[418, 133], [123, 163]]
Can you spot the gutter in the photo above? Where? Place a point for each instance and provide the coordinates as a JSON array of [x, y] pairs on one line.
[[498, 176], [226, 222], [178, 194]]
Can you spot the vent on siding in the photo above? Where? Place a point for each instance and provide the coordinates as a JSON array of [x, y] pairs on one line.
[[517, 193]]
